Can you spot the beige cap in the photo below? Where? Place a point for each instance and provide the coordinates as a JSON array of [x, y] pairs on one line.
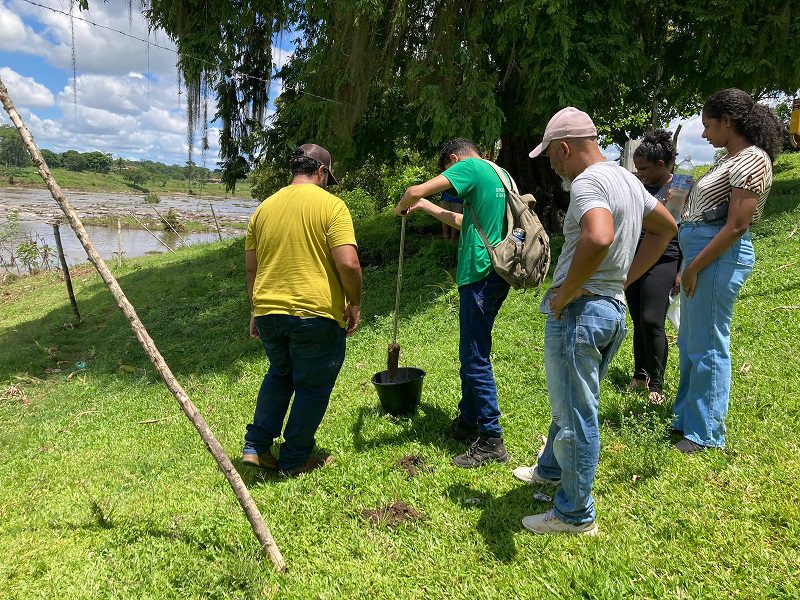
[[567, 123]]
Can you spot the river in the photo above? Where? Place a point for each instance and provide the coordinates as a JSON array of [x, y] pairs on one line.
[[36, 208]]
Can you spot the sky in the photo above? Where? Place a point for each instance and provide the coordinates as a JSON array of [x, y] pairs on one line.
[[126, 104]]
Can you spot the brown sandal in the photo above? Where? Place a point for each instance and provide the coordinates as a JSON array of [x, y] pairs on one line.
[[656, 398]]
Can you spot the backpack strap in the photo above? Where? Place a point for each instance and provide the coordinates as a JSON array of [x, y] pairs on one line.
[[502, 175], [480, 229]]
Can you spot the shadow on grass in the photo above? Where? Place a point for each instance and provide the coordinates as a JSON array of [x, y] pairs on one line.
[[195, 307], [427, 426], [501, 516]]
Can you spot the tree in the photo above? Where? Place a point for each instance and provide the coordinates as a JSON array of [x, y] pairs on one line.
[[367, 77], [52, 159], [73, 160], [12, 150], [97, 162]]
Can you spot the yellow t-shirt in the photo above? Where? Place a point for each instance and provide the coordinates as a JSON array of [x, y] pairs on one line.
[[292, 233]]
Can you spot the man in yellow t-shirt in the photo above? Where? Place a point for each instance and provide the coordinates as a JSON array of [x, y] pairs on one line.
[[304, 286]]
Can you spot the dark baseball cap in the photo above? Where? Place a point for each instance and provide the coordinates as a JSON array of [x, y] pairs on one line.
[[319, 154]]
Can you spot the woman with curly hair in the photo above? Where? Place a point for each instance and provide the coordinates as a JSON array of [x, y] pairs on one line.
[[718, 257], [648, 296]]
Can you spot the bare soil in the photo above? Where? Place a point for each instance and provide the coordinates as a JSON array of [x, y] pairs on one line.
[[392, 515], [411, 464]]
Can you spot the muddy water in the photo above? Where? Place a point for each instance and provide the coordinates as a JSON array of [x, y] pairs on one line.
[[37, 207]]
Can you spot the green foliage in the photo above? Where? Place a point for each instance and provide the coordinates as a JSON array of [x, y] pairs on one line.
[[152, 198], [360, 203], [52, 159], [172, 222], [12, 150]]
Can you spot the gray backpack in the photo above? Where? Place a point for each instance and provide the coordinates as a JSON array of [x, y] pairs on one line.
[[523, 263]]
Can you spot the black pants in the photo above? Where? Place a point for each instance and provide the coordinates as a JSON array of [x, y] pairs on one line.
[[648, 300]]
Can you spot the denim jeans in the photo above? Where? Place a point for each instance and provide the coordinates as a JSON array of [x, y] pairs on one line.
[[704, 335], [479, 303], [577, 351], [305, 356]]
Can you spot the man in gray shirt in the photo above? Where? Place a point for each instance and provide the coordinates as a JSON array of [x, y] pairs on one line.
[[586, 309]]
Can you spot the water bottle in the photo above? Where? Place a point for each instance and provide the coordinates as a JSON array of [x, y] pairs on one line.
[[682, 180]]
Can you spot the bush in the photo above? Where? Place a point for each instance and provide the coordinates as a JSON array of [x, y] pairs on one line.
[[172, 222], [362, 206], [152, 198]]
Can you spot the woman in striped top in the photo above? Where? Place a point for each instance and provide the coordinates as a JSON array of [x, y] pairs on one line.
[[718, 257]]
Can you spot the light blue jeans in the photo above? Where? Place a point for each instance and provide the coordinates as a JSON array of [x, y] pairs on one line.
[[704, 336], [577, 351]]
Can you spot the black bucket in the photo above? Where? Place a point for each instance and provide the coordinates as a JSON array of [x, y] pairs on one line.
[[400, 397]]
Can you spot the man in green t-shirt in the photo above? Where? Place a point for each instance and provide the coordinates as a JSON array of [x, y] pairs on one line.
[[481, 291]]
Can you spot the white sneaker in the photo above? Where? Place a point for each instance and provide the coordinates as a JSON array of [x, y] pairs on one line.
[[531, 476], [549, 523]]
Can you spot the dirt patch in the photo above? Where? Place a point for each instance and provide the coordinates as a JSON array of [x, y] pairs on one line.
[[15, 393], [411, 464], [392, 515]]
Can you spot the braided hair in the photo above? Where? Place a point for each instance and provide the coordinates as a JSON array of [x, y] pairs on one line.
[[754, 121], [657, 145]]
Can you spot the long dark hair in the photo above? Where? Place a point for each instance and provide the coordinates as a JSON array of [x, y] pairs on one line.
[[657, 145], [754, 121]]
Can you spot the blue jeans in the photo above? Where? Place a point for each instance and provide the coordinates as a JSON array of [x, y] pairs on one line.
[[305, 356], [479, 303], [704, 335], [577, 351]]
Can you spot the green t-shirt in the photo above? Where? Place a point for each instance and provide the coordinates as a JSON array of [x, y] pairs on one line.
[[476, 182]]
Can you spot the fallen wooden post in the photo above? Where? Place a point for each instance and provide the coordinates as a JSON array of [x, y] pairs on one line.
[[213, 214], [246, 501], [171, 228], [65, 269], [158, 239]]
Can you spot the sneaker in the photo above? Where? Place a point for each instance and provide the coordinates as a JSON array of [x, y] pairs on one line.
[[461, 431], [264, 460], [687, 446], [482, 451], [530, 475], [549, 523], [316, 461]]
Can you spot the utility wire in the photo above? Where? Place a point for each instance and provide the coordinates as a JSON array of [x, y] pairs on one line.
[[173, 50]]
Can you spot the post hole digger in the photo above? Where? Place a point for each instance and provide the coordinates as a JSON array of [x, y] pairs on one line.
[[399, 388]]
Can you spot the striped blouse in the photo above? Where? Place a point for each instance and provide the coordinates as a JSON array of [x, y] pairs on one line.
[[749, 169]]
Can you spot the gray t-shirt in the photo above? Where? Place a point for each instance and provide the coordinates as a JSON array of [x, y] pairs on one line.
[[610, 186]]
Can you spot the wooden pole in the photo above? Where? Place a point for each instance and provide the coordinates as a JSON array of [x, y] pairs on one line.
[[158, 239], [171, 228], [246, 501], [65, 269], [213, 214], [119, 244]]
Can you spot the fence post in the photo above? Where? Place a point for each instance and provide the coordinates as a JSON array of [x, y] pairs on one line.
[[65, 269], [119, 243]]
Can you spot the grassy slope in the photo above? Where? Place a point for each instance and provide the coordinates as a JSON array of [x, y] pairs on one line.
[[113, 182], [94, 504]]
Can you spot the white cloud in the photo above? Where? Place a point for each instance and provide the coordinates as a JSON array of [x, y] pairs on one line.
[[15, 36], [26, 91], [118, 105], [691, 142]]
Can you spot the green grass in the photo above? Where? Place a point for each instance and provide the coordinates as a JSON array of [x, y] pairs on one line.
[[94, 504], [113, 182]]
